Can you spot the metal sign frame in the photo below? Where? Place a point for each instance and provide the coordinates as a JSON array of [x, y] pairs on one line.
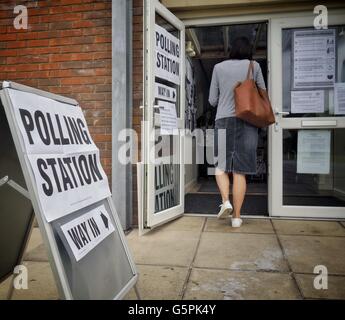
[[6, 181], [45, 227]]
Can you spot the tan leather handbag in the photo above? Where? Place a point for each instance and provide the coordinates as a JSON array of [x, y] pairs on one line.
[[252, 103]]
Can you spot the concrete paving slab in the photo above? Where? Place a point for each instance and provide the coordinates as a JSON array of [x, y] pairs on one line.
[[306, 252], [249, 226], [240, 285], [160, 283], [38, 254], [240, 252], [171, 248], [299, 227], [41, 284], [4, 287], [336, 287], [184, 224]]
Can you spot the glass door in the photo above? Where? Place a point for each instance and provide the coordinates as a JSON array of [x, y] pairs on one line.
[[307, 147], [164, 109]]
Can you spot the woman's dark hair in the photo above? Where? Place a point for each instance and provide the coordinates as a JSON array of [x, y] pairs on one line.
[[241, 49]]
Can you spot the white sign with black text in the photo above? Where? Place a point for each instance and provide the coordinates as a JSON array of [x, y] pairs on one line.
[[50, 127], [64, 159], [165, 194], [86, 232], [167, 55], [164, 92]]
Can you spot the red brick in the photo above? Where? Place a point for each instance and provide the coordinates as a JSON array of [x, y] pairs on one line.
[[60, 17], [102, 137], [37, 43], [8, 37], [8, 53], [15, 44], [71, 57], [97, 31], [81, 80], [50, 66]]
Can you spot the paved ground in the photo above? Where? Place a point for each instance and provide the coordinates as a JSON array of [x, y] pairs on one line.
[[203, 258]]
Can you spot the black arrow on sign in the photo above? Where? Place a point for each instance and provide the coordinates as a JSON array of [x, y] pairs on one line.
[[174, 94], [105, 220]]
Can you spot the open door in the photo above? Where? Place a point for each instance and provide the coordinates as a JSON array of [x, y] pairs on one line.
[[162, 171]]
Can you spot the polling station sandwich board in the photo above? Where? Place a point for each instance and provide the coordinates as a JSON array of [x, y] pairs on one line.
[[70, 194]]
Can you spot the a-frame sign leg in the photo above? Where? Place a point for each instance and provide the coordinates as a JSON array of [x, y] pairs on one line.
[[137, 292], [10, 289], [3, 181]]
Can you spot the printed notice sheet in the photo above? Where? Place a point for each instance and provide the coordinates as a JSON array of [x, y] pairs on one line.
[[339, 98], [314, 151], [314, 59], [168, 118], [307, 101]]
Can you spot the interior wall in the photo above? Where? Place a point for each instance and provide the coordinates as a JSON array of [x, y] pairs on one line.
[[202, 88], [201, 102]]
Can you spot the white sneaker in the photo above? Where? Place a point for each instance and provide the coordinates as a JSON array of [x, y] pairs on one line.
[[236, 222], [225, 210]]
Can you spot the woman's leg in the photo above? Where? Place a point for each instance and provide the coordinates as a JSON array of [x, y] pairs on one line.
[[223, 182], [239, 191]]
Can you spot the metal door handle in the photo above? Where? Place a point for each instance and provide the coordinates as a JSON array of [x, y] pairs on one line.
[[283, 113]]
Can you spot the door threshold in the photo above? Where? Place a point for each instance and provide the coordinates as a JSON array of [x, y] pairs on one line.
[[201, 215], [266, 217]]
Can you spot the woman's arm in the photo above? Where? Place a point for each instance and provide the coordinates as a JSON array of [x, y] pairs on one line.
[[259, 79], [214, 89]]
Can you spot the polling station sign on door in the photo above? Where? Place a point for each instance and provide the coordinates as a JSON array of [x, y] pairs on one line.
[[70, 194], [167, 55]]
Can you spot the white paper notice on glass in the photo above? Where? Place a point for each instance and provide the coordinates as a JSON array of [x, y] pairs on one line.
[[339, 98], [308, 101], [314, 59], [168, 118], [314, 151], [85, 232]]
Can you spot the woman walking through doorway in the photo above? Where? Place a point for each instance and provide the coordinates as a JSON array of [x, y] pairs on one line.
[[235, 140]]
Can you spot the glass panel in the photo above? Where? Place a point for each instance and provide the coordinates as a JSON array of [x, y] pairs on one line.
[[313, 61], [167, 146], [314, 167]]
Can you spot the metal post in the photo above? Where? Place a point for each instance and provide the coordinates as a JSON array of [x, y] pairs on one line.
[[121, 106]]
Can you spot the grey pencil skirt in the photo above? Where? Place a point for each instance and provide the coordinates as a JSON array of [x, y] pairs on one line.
[[235, 145]]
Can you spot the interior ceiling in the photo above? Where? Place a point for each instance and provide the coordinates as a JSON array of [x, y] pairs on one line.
[[213, 44]]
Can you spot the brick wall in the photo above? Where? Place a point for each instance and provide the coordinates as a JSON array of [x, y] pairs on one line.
[[66, 50], [137, 88]]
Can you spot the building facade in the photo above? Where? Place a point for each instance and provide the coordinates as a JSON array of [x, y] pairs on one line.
[[103, 55]]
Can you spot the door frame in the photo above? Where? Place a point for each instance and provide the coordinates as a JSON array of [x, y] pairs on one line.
[[148, 219], [274, 208]]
